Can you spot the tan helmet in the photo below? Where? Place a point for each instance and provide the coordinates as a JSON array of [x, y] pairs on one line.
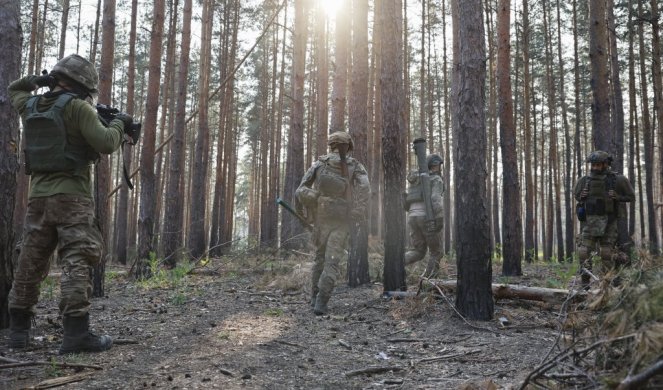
[[76, 68], [340, 137]]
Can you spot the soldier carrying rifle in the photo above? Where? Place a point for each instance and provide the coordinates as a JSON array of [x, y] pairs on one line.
[[63, 137], [334, 193], [423, 202]]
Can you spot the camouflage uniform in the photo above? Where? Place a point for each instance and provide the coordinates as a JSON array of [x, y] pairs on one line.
[[421, 239], [323, 194], [598, 231], [60, 210]]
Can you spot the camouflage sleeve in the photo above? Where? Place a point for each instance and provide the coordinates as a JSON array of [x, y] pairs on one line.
[[624, 189], [20, 91], [361, 188], [578, 188], [305, 192], [437, 188]]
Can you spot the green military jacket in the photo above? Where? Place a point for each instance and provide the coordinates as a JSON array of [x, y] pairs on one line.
[[608, 181], [83, 125]]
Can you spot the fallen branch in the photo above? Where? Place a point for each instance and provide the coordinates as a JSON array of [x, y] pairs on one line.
[[372, 370], [638, 381], [7, 360], [56, 382], [446, 357], [53, 364]]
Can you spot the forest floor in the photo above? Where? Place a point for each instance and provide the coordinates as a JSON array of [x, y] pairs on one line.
[[245, 322]]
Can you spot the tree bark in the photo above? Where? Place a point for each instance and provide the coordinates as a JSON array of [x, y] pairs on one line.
[[473, 259], [358, 123], [393, 147], [147, 180], [512, 244], [530, 238], [598, 56], [341, 61], [10, 69], [64, 22]]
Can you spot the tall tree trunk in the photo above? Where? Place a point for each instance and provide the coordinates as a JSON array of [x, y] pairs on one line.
[[598, 56], [341, 61], [102, 168], [63, 27], [633, 118], [448, 225], [123, 202], [474, 297], [376, 140], [172, 235], [530, 238], [291, 229], [512, 244], [147, 179], [358, 123], [393, 148], [657, 71], [322, 72], [34, 29], [648, 137], [10, 69], [197, 235]]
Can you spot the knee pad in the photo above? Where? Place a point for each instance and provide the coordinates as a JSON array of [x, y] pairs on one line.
[[606, 253], [583, 253]]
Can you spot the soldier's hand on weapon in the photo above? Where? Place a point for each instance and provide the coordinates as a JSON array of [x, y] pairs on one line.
[[612, 194], [584, 194], [130, 128], [44, 81]]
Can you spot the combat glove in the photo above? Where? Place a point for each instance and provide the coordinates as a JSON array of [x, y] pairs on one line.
[[130, 128], [44, 81]]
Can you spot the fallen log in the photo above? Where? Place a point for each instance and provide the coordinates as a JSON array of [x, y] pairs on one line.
[[500, 291]]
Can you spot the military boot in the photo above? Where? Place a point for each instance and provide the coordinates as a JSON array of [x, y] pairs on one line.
[[78, 338], [321, 300], [19, 328], [432, 268]]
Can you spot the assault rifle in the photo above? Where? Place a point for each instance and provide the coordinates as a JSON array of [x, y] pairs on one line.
[[292, 211], [108, 113], [419, 146]]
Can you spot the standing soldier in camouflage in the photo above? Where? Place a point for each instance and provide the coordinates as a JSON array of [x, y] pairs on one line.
[[424, 236], [63, 138], [335, 193], [598, 197]]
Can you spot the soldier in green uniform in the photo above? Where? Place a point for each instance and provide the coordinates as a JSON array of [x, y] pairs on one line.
[[334, 192], [599, 195], [422, 237], [63, 138]]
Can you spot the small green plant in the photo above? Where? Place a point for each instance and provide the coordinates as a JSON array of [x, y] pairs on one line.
[[274, 312], [111, 275], [223, 335], [178, 298], [53, 370], [48, 287]]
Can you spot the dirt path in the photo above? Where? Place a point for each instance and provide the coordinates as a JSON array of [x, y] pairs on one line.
[[222, 332]]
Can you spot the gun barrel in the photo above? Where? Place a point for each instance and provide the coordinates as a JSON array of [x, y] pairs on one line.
[[292, 211]]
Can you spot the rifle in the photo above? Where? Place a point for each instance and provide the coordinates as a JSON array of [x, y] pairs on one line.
[[292, 211], [106, 114], [419, 146]]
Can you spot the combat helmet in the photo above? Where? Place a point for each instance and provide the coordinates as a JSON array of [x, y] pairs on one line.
[[340, 137], [599, 156], [433, 159], [79, 70]]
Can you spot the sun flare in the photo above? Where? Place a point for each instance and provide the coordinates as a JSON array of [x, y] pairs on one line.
[[330, 7]]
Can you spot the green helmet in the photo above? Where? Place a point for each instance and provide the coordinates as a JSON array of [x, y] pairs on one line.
[[599, 156], [79, 70], [433, 159], [340, 137]]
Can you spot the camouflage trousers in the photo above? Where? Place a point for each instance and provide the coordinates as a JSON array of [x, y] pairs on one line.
[[331, 243], [603, 245], [65, 222], [422, 240]]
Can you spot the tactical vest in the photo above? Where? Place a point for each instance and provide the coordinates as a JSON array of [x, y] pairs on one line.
[[47, 147], [330, 180], [414, 193], [598, 202]]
